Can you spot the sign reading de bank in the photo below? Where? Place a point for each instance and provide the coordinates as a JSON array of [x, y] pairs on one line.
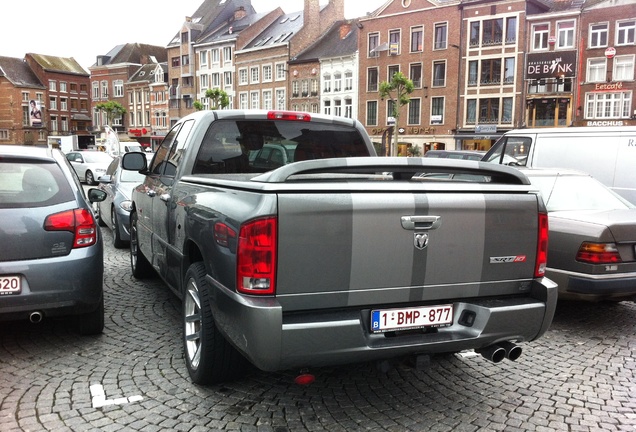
[[554, 64]]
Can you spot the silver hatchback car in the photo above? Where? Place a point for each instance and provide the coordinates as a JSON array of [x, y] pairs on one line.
[[51, 259]]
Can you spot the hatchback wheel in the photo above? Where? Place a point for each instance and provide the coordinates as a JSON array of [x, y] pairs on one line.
[[209, 357], [140, 266]]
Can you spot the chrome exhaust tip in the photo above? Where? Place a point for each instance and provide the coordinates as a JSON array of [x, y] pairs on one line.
[[494, 353], [36, 317], [513, 351]]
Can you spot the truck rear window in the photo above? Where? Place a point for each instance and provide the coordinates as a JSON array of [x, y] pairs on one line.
[[235, 146]]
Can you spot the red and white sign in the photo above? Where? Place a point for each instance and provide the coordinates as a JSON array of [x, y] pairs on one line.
[[610, 52]]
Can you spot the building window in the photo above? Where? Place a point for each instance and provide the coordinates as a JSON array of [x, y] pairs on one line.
[[205, 80], [104, 89], [372, 79], [540, 34], [596, 69], [623, 68], [489, 111], [64, 124], [473, 72], [95, 90], [598, 35], [373, 42], [280, 71], [490, 72], [242, 76], [62, 87], [185, 60], [337, 108], [337, 81], [227, 79], [392, 70], [417, 38], [608, 105], [475, 29], [203, 59], [415, 74], [348, 108], [327, 107], [254, 78], [625, 32], [52, 86], [493, 32], [52, 103], [414, 111], [565, 34], [267, 99], [348, 80], [63, 104], [509, 70], [437, 110], [243, 103], [326, 83], [511, 30], [440, 36], [214, 57], [439, 74], [304, 88], [280, 99], [176, 62], [227, 56], [267, 73], [216, 80], [394, 42], [118, 88], [372, 113], [295, 89]]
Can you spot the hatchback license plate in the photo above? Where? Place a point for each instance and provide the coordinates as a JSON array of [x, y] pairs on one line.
[[384, 320], [10, 285]]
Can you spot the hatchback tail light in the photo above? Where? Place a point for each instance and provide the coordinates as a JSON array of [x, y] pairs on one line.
[[256, 257], [542, 246], [79, 221], [598, 253]]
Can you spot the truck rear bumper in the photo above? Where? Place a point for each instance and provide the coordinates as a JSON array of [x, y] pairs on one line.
[[274, 341]]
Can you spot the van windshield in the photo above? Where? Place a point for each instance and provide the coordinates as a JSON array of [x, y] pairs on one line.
[[510, 150]]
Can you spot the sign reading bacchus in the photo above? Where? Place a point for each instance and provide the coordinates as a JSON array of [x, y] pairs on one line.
[[551, 65]]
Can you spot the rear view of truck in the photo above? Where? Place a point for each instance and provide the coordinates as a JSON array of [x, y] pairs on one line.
[[339, 256]]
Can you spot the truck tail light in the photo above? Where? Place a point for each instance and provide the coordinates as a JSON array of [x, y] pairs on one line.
[[542, 246], [79, 221], [256, 257], [288, 115], [598, 253]]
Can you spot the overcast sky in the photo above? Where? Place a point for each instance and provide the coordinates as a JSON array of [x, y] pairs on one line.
[[85, 29]]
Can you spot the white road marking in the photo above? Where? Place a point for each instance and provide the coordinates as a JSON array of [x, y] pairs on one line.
[[98, 397]]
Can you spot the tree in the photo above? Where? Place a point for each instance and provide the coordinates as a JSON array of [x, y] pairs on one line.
[[398, 91], [218, 99], [112, 109]]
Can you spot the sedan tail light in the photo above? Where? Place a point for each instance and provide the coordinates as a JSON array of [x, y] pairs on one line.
[[79, 221], [598, 253], [256, 256]]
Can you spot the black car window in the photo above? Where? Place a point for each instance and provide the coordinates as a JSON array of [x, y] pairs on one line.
[[177, 149], [158, 162], [29, 184]]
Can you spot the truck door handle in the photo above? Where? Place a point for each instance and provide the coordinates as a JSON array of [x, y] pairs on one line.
[[164, 197], [151, 193], [421, 222]]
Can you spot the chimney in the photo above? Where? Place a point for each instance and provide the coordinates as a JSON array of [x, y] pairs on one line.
[[311, 14], [338, 6]]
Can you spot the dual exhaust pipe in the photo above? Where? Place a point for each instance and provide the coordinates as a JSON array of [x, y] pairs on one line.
[[497, 352]]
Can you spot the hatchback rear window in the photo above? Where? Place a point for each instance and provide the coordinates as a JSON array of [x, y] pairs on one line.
[[29, 184]]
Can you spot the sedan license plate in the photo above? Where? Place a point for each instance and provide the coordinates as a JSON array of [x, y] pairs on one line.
[[10, 285], [384, 320]]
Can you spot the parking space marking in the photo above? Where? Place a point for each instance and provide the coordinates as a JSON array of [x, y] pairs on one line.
[[98, 397]]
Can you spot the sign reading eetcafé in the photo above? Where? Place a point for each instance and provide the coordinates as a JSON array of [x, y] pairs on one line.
[[551, 65]]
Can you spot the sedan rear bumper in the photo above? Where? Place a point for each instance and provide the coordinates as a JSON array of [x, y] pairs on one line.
[[594, 287]]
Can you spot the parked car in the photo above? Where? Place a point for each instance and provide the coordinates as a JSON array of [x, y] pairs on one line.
[[89, 165], [51, 260], [114, 211], [456, 154], [592, 248]]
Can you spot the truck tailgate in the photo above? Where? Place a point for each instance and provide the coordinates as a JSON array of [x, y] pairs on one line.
[[357, 248]]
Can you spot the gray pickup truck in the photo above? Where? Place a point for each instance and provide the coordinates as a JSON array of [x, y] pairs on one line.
[[338, 255]]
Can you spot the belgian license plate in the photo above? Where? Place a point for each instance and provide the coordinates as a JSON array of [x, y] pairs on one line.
[[384, 320], [10, 285]]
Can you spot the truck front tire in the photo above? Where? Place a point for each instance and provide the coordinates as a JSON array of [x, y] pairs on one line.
[[209, 357]]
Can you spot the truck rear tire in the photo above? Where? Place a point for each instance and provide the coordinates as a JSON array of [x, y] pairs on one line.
[[140, 266], [209, 357]]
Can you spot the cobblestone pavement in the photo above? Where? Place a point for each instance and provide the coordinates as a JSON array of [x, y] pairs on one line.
[[580, 376]]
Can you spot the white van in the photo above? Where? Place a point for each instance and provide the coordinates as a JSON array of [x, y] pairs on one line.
[[607, 153]]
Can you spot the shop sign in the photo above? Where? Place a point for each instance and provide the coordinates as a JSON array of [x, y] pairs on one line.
[[551, 65], [610, 52], [436, 119], [486, 129], [138, 132], [608, 86]]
